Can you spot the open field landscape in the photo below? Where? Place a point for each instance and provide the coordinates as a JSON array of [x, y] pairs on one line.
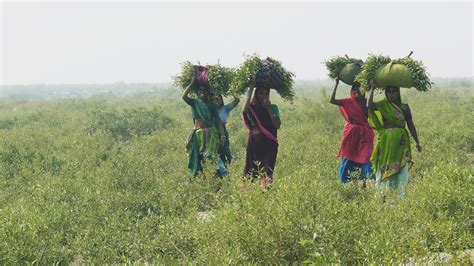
[[115, 114], [104, 180]]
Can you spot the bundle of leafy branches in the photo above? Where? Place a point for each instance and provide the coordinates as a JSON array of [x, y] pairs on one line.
[[418, 72], [404, 72], [344, 68], [219, 78], [371, 65], [183, 79], [245, 74], [268, 73]]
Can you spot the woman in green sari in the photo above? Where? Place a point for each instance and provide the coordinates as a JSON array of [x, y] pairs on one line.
[[391, 156], [208, 131]]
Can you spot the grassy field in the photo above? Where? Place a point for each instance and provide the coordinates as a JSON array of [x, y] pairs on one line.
[[104, 180]]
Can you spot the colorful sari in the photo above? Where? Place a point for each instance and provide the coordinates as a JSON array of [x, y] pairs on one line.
[[392, 153], [357, 141], [202, 143], [262, 148]]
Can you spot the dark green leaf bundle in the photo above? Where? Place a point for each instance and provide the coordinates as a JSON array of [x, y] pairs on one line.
[[266, 73]]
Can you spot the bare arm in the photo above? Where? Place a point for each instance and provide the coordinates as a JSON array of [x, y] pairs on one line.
[[333, 95], [249, 97], [187, 91], [412, 128], [370, 101]]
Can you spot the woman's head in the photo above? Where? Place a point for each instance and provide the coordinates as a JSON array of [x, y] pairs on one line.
[[218, 100], [356, 93], [262, 94], [393, 94], [202, 93]]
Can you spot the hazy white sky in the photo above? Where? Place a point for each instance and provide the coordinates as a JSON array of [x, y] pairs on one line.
[[101, 42]]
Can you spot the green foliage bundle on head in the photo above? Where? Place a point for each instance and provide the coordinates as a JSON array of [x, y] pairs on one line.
[[344, 68], [279, 79], [336, 64], [220, 79], [188, 71], [371, 65], [268, 73], [245, 75], [403, 72], [419, 75]]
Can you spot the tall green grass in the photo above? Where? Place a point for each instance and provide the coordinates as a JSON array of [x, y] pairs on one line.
[[104, 180]]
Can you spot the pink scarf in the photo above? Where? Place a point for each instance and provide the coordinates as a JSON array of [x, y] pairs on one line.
[[265, 132]]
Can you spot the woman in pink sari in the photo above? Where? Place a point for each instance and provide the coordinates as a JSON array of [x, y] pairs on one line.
[[357, 137], [262, 119]]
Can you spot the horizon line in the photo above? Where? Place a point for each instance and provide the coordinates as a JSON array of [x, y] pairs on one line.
[[170, 82]]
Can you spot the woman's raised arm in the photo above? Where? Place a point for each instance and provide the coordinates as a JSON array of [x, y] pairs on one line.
[[370, 101], [187, 91], [249, 97], [333, 95]]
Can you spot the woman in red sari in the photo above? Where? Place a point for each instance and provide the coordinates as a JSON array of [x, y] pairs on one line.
[[262, 119], [357, 137]]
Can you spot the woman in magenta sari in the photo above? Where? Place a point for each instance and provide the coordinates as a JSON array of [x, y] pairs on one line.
[[262, 119], [357, 137]]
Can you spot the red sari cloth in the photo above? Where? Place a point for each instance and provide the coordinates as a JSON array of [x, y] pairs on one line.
[[357, 137]]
